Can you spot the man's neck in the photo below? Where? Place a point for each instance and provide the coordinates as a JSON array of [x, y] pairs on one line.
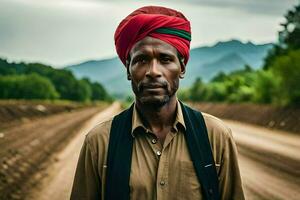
[[159, 120]]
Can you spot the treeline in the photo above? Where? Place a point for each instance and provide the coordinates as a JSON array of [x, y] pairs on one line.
[[278, 82], [38, 81]]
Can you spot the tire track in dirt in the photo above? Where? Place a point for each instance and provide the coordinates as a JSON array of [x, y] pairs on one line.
[[58, 183], [269, 162], [25, 149]]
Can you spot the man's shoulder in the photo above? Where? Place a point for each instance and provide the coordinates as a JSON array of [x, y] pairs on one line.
[[100, 132], [214, 121], [219, 134], [216, 128]]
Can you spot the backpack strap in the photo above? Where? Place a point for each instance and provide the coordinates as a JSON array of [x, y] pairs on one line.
[[201, 153], [119, 157]]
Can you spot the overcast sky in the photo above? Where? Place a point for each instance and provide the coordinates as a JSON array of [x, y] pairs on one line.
[[62, 32]]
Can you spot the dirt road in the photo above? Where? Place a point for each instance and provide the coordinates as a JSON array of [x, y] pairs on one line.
[[57, 185], [27, 146], [269, 162]]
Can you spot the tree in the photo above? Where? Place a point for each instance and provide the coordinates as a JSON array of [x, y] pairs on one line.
[[184, 94], [81, 91], [5, 68], [287, 69], [216, 91], [220, 77], [288, 38], [98, 92], [266, 87], [30, 86], [198, 90]]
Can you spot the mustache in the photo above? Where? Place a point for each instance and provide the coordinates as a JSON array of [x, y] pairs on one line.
[[152, 84]]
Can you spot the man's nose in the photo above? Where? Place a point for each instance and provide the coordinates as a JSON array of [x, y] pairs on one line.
[[154, 69]]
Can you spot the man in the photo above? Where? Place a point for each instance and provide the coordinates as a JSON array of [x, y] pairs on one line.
[[159, 148]]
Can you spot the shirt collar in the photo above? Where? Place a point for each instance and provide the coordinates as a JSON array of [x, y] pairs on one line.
[[138, 123]]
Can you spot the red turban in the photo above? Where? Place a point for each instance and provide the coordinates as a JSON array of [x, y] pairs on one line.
[[162, 23]]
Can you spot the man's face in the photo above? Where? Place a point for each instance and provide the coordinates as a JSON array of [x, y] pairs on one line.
[[154, 70]]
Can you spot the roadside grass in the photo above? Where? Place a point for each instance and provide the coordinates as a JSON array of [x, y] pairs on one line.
[[53, 102]]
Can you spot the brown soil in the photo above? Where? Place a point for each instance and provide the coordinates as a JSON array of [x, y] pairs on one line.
[[60, 175], [283, 118], [26, 147], [13, 112], [269, 161]]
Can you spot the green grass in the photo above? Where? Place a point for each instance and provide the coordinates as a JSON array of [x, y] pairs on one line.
[[53, 102]]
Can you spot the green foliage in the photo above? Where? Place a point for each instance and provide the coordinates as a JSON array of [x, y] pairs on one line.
[[287, 69], [234, 87], [265, 87], [30, 86], [183, 94], [277, 83], [65, 84], [220, 77], [243, 93], [216, 92], [127, 102], [288, 38], [198, 91], [82, 91], [98, 92]]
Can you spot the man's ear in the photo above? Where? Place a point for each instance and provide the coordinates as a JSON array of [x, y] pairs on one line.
[[182, 68], [127, 69]]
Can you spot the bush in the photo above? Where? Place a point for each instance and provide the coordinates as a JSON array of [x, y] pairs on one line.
[[198, 91], [30, 86], [287, 69], [65, 85], [265, 87], [216, 92]]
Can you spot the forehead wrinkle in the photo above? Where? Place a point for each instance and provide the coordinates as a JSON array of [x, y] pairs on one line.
[[152, 46]]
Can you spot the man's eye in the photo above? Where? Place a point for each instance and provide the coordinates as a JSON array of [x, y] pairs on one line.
[[166, 59], [143, 61]]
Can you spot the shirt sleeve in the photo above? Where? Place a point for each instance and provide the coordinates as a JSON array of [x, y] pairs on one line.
[[87, 182], [230, 182]]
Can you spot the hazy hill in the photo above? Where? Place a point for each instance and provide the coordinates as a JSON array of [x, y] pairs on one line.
[[205, 62], [110, 72]]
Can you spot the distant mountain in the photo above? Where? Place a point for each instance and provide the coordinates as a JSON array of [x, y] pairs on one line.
[[205, 62], [227, 63], [109, 72]]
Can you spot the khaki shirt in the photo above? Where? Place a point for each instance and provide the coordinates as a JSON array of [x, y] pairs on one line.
[[158, 171]]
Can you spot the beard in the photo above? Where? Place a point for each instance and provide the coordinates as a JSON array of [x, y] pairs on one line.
[[154, 99]]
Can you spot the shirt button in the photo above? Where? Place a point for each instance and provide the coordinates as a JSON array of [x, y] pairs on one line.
[[158, 153], [162, 183], [153, 141]]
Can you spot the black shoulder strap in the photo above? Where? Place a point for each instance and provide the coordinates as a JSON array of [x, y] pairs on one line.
[[120, 150], [119, 157], [200, 151]]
